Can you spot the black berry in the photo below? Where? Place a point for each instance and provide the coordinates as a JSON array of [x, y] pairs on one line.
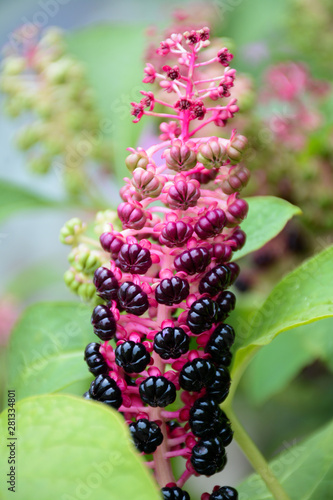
[[206, 418], [224, 493], [132, 298], [105, 389], [134, 259], [234, 271], [106, 284], [215, 280], [174, 493], [171, 343], [132, 357], [103, 322], [172, 291], [193, 261], [220, 342], [202, 315], [219, 388], [208, 456], [197, 374], [94, 359], [157, 391], [226, 301], [147, 436]]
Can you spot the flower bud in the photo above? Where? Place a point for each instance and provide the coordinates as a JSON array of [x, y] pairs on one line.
[[237, 179], [147, 183], [183, 194], [236, 212], [236, 148], [213, 153], [137, 160], [71, 230], [84, 260], [180, 157], [131, 216], [87, 291]]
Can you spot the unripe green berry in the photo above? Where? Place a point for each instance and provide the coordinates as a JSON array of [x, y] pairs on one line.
[[137, 160], [70, 232], [213, 153]]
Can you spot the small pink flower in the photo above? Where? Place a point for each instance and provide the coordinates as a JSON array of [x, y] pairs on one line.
[[150, 72], [198, 110], [149, 100], [172, 73], [224, 56], [137, 111], [168, 86], [169, 130]]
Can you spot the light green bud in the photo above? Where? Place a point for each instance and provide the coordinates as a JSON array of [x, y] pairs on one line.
[[70, 232]]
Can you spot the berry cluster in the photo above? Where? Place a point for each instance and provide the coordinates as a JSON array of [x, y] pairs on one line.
[[164, 296]]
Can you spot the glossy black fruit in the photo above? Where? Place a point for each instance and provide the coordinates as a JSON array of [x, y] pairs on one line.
[[208, 456], [132, 298], [202, 315], [224, 493], [174, 493], [103, 322], [105, 389], [219, 388], [134, 259], [206, 418], [132, 357], [94, 359], [193, 261], [226, 301], [106, 284], [157, 391], [234, 271], [197, 374], [215, 280], [171, 343], [172, 291], [220, 342], [147, 436]]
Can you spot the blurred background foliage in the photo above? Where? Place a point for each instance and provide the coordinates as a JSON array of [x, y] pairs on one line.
[[91, 77]]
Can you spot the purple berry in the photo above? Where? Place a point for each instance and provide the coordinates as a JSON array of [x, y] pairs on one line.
[[132, 216], [176, 234], [226, 301], [132, 298], [197, 374], [205, 176], [234, 271], [183, 194], [171, 343], [193, 261], [106, 284], [103, 322], [210, 224], [132, 357], [240, 237], [221, 252], [111, 244], [215, 280], [172, 291], [134, 259], [202, 315]]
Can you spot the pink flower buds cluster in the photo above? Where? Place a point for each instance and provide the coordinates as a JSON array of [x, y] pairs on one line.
[[165, 294]]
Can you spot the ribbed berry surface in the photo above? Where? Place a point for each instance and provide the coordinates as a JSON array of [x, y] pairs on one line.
[[220, 342], [174, 493], [147, 436], [193, 261], [132, 298], [94, 359], [171, 343], [202, 315], [157, 391], [219, 388], [183, 194], [226, 301], [105, 389], [208, 456], [224, 493], [175, 234], [134, 259], [197, 374], [210, 224], [172, 291], [103, 322], [206, 418], [132, 357], [106, 284], [215, 280]]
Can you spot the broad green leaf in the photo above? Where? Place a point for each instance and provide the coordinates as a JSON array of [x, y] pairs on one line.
[[14, 198], [277, 363], [69, 448], [267, 217], [303, 296], [46, 348], [113, 56], [304, 470]]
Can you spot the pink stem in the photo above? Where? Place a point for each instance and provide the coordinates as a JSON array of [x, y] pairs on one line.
[[183, 478], [177, 453]]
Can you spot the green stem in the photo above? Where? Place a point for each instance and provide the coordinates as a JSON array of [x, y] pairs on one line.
[[256, 459]]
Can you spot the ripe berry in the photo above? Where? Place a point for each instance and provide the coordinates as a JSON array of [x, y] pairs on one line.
[[172, 291], [174, 493], [132, 216], [221, 252], [157, 391], [208, 456], [134, 259], [132, 298], [105, 389], [103, 322], [175, 234], [106, 284], [234, 271], [202, 314], [226, 301], [111, 243], [215, 280], [94, 359], [193, 261], [210, 224], [219, 388], [197, 374], [224, 493], [239, 237], [183, 194], [171, 343], [147, 436], [132, 357], [206, 418]]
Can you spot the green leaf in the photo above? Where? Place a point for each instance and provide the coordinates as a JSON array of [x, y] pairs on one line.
[[46, 348], [267, 217], [69, 448], [303, 296], [15, 198], [113, 56], [304, 470]]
